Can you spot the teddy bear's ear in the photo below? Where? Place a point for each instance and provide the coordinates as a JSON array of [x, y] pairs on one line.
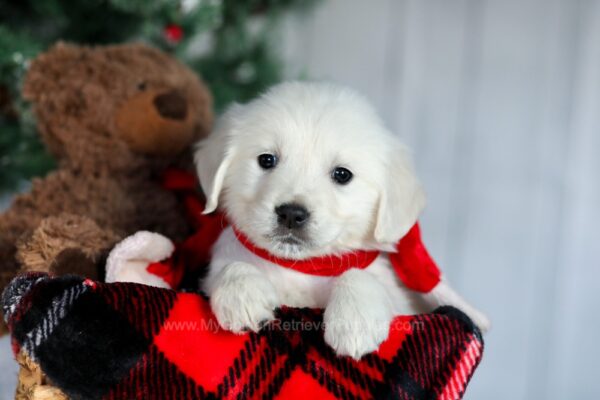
[[47, 71], [214, 155]]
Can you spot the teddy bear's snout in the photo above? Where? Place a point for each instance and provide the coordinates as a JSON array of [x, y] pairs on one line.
[[171, 105]]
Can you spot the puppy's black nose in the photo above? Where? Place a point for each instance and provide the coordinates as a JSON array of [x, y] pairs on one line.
[[291, 215]]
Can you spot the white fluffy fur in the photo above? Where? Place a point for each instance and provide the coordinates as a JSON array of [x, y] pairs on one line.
[[128, 261], [312, 128]]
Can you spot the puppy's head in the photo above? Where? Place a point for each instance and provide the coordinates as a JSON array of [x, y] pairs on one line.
[[308, 169]]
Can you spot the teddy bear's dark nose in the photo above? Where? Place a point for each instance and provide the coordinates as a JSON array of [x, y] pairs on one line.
[[291, 215], [171, 105]]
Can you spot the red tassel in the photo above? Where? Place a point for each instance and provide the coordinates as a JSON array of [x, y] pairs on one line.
[[413, 264]]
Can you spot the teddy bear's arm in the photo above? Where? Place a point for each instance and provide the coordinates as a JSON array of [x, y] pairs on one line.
[[66, 243]]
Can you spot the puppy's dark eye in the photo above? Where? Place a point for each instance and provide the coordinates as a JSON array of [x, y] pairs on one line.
[[267, 161], [141, 86], [341, 175]]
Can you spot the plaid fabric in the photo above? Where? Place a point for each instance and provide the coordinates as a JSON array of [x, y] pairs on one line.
[[124, 341]]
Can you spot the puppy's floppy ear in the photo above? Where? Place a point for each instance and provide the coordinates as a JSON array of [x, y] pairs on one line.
[[402, 200], [213, 157]]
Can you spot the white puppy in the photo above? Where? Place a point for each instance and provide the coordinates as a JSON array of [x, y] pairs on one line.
[[309, 170]]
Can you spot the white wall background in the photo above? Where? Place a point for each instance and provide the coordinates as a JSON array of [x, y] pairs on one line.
[[500, 101]]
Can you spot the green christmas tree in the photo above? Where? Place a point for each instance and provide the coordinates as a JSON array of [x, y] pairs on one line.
[[228, 42]]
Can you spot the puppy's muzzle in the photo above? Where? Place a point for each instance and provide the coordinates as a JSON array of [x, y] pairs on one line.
[[291, 215]]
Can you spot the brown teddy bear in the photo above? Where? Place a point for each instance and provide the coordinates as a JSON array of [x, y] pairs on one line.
[[114, 117]]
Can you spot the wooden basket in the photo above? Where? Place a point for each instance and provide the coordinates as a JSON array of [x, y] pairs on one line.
[[33, 384]]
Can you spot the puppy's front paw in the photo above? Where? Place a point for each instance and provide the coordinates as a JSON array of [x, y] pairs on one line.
[[354, 332], [243, 299], [358, 316]]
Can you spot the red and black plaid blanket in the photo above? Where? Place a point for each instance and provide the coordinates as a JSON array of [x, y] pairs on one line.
[[125, 341]]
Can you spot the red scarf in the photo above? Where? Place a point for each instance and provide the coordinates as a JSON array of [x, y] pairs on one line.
[[411, 261], [322, 266]]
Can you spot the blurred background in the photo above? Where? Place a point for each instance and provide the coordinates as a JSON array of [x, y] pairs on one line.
[[499, 100]]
